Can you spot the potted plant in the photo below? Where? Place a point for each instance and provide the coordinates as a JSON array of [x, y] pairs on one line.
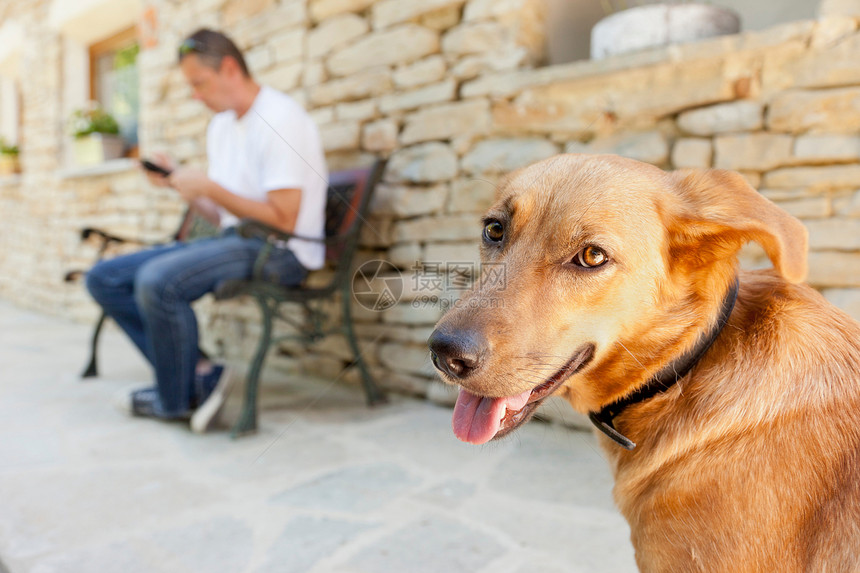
[[650, 25], [9, 163], [96, 135]]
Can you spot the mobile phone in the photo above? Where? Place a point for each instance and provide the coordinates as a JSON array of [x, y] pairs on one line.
[[150, 166]]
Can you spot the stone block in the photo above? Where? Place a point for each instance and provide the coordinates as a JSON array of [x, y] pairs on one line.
[[380, 135], [839, 8], [789, 194], [492, 9], [360, 110], [389, 12], [722, 118], [846, 299], [650, 146], [689, 152], [340, 135], [463, 253], [404, 255], [447, 120], [260, 58], [260, 28], [751, 177], [424, 163], [410, 385], [288, 45], [827, 148], [336, 345], [412, 314], [834, 269], [441, 19], [753, 151], [829, 30], [503, 155], [435, 93], [313, 73], [834, 234], [828, 65], [398, 333], [819, 111], [357, 86], [236, 11], [430, 69], [323, 366], [470, 67], [526, 19], [812, 178], [334, 33], [283, 77], [848, 205], [442, 394], [404, 201], [322, 9], [806, 208], [447, 228], [476, 38], [409, 358], [399, 45], [472, 195], [322, 115], [614, 101]]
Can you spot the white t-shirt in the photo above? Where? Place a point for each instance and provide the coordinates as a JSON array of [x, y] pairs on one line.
[[275, 145]]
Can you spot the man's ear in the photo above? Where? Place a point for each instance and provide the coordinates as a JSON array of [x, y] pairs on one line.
[[719, 212], [230, 66]]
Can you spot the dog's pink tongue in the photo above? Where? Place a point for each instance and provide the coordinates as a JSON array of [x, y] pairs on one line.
[[477, 419]]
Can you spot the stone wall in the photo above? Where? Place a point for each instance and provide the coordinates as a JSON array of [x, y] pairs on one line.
[[453, 92]]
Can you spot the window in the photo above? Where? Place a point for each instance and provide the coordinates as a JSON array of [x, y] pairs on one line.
[[114, 81]]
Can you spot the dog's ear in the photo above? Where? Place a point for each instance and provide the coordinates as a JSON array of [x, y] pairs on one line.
[[720, 211]]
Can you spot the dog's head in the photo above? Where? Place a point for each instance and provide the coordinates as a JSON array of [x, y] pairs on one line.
[[598, 271]]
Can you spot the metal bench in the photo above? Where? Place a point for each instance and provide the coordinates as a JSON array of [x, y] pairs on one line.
[[347, 206], [194, 225]]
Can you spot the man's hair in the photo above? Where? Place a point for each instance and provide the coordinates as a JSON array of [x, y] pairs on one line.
[[211, 48]]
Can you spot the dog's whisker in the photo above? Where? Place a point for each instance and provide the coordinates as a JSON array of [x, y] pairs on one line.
[[631, 354]]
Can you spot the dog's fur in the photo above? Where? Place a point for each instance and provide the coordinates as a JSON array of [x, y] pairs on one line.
[[749, 463]]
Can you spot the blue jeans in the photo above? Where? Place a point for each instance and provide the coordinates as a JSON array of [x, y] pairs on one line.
[[149, 295]]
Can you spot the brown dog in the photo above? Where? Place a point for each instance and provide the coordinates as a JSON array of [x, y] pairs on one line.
[[731, 415]]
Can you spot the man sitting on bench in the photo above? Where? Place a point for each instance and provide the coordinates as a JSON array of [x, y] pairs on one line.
[[265, 163]]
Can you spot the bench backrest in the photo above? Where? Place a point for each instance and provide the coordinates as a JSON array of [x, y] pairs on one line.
[[195, 225], [347, 208]]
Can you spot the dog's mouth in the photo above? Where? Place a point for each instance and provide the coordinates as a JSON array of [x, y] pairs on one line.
[[479, 419]]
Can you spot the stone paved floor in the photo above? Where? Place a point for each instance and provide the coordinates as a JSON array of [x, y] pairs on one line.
[[327, 485]]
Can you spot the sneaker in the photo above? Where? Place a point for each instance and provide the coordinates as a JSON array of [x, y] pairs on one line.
[[146, 403], [222, 382]]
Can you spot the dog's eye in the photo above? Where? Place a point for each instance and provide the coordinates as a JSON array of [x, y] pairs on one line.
[[494, 231], [590, 257]]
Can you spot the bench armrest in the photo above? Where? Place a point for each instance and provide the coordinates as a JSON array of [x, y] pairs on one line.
[[272, 239], [251, 228], [106, 237]]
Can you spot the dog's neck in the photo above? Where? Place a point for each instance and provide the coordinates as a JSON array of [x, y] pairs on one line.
[[666, 377]]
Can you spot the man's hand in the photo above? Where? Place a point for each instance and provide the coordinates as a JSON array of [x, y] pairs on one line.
[[161, 160], [191, 183]]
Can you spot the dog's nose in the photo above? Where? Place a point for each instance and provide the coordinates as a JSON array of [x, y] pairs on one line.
[[456, 354]]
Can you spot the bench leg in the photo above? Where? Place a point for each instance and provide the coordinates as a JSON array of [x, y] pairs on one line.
[[374, 395], [92, 369], [247, 422]]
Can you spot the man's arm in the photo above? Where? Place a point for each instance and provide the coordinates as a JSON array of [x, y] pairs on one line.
[[279, 210]]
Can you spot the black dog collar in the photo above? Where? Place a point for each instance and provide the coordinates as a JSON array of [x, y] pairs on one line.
[[666, 378]]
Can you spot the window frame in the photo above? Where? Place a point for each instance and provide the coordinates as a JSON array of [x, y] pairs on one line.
[[111, 44]]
